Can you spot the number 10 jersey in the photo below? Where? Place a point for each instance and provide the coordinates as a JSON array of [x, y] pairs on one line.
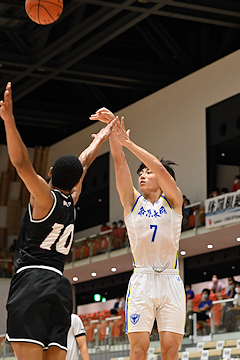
[[47, 241]]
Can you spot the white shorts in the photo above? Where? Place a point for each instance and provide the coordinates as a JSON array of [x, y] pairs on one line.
[[155, 295]]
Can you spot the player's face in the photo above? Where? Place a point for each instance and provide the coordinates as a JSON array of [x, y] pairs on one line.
[[148, 181]]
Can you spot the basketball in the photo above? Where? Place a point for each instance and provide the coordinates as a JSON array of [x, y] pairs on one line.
[[44, 12]]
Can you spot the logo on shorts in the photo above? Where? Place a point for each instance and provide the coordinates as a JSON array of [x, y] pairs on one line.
[[134, 318], [178, 278]]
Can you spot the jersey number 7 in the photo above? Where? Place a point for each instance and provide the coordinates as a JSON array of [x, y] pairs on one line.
[[154, 231]]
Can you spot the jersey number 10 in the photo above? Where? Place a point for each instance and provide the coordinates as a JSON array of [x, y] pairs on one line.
[[64, 241]]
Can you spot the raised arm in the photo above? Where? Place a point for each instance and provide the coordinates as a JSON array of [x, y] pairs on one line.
[[165, 180], [19, 156], [89, 154], [127, 193]]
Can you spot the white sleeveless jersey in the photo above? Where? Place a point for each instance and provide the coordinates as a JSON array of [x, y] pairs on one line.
[[154, 231]]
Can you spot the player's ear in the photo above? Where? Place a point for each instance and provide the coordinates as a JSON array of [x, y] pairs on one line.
[[50, 172]]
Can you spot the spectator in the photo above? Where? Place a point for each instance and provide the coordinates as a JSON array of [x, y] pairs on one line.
[[214, 193], [115, 309], [105, 227], [227, 315], [235, 310], [224, 190], [236, 185], [121, 234], [216, 286], [204, 308], [186, 214], [189, 309]]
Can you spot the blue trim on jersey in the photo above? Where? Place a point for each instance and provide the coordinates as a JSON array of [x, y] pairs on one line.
[[176, 260], [166, 201], [134, 206]]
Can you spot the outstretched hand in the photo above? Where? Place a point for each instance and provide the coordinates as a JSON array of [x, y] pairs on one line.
[[6, 105], [103, 115], [106, 131], [119, 130]]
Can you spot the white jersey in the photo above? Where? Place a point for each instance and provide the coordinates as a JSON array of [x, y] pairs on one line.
[[76, 329], [154, 231]]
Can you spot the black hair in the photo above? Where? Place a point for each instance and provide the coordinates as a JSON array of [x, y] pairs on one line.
[[206, 290], [166, 163], [66, 172]]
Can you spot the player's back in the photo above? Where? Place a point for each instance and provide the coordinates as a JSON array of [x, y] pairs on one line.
[[47, 241]]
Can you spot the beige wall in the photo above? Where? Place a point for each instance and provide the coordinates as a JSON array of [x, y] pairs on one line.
[[170, 123]]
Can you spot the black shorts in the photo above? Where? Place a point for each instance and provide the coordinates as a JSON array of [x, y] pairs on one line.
[[39, 308]]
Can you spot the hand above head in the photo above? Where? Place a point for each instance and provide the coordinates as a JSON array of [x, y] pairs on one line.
[[119, 130], [103, 115], [6, 106], [106, 131]]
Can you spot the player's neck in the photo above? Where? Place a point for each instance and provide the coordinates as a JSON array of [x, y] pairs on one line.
[[153, 196], [65, 192]]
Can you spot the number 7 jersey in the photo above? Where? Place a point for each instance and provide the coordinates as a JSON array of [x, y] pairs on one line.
[[47, 241], [154, 231]]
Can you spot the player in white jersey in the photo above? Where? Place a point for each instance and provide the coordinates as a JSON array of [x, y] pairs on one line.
[[76, 340], [153, 222]]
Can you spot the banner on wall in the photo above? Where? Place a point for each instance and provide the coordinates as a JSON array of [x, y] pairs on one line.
[[223, 209]]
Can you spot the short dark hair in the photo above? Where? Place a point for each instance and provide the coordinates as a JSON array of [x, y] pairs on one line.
[[66, 172], [166, 163], [206, 290]]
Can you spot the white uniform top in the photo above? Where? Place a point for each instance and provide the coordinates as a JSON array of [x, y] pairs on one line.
[[154, 231], [236, 300], [76, 329]]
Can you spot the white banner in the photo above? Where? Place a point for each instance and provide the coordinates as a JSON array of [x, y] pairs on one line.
[[222, 209]]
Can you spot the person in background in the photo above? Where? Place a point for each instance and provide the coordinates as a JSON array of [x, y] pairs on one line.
[[224, 190], [227, 314], [105, 227], [236, 185], [189, 308], [216, 286], [186, 214], [204, 308], [214, 193], [76, 340]]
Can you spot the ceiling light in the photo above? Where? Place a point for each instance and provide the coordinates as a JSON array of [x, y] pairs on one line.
[[94, 274], [75, 278], [204, 273], [233, 267], [222, 154], [209, 246], [183, 252], [238, 239], [113, 269]]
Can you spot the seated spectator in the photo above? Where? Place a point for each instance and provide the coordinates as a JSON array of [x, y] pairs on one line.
[[214, 193], [236, 185], [216, 286], [114, 310], [186, 214], [204, 308], [105, 227], [224, 191]]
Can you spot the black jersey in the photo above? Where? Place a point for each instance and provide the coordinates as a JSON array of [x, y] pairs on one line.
[[47, 241]]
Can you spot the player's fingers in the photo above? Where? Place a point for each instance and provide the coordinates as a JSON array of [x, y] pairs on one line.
[[122, 122], [128, 132], [93, 136]]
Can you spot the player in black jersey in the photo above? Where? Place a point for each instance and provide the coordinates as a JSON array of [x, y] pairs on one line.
[[40, 298]]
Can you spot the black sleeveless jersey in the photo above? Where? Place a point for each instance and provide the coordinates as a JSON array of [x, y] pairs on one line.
[[47, 241]]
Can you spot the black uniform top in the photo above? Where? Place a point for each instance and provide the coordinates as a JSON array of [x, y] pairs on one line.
[[47, 241]]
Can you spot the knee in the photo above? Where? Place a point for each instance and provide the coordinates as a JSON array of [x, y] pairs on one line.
[[139, 351], [170, 352]]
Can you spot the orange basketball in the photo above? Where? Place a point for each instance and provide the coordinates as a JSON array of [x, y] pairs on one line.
[[44, 12]]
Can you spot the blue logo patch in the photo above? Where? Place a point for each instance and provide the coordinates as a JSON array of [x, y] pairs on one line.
[[178, 278], [134, 318]]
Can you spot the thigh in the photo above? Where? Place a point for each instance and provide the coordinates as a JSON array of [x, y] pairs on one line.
[[54, 353], [27, 351], [140, 313], [171, 314]]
